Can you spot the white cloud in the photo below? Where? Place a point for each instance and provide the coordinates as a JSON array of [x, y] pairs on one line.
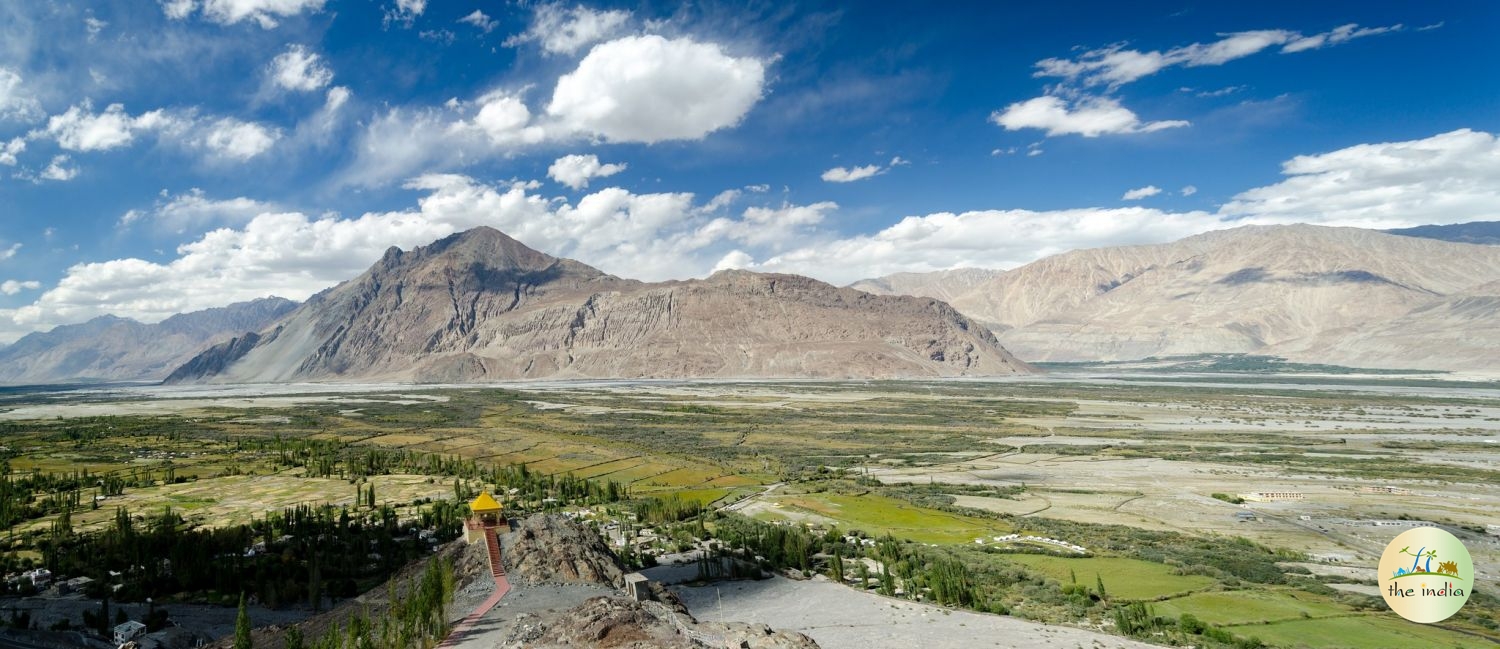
[[10, 150], [1089, 117], [10, 252], [80, 129], [15, 102], [182, 212], [59, 170], [651, 89], [405, 12], [178, 9], [1116, 65], [299, 69], [734, 259], [636, 89], [1189, 190], [231, 139], [1446, 178], [851, 174], [566, 31], [12, 287], [649, 236], [1141, 192], [1337, 35], [94, 26], [575, 171], [228, 12], [479, 20]]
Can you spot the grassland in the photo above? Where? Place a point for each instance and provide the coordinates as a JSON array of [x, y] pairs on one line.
[[1106, 466], [1129, 579]]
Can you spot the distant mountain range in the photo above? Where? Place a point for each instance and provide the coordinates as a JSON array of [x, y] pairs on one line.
[[108, 348], [480, 306], [1485, 232], [1341, 296]]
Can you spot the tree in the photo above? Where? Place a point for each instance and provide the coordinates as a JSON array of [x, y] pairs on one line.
[[242, 627], [293, 638], [1100, 580]]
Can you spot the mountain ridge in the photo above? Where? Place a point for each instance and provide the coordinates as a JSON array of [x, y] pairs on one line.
[[111, 348], [479, 305], [1303, 291]]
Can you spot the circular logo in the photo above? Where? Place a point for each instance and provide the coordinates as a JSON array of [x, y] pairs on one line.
[[1426, 575]]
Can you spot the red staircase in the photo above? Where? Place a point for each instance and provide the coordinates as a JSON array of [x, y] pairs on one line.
[[502, 586]]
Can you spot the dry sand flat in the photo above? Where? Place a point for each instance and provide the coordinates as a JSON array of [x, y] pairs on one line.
[[839, 617]]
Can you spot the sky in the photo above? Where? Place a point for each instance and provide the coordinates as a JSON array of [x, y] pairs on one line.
[[162, 157]]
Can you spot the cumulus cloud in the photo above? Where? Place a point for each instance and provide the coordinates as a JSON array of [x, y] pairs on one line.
[[231, 139], [851, 174], [636, 89], [194, 209], [1446, 178], [12, 287], [15, 102], [479, 20], [1089, 117], [575, 171], [1141, 192], [299, 69], [652, 89], [228, 12], [10, 252], [566, 31], [10, 150], [81, 129], [292, 254], [1189, 190], [58, 169]]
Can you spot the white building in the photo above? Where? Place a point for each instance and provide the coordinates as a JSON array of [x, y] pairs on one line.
[[127, 631]]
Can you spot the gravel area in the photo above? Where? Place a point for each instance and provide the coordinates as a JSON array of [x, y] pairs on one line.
[[839, 617]]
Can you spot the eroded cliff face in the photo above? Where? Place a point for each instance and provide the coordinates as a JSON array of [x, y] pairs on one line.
[[481, 306]]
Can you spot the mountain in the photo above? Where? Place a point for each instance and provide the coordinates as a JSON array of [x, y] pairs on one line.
[[480, 305], [1485, 232], [108, 348], [1310, 293]]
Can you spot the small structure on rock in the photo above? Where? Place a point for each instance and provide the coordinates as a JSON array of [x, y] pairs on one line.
[[485, 513], [638, 587]]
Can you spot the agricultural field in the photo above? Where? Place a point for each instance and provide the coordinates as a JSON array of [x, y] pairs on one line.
[[1141, 472]]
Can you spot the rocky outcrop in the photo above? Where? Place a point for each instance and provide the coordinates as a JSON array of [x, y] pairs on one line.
[[619, 623], [480, 306], [108, 348], [1309, 293], [552, 549]]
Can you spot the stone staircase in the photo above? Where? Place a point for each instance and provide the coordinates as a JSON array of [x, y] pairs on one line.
[[462, 629]]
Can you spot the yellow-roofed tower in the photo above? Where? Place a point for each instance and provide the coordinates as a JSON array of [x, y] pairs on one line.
[[484, 512]]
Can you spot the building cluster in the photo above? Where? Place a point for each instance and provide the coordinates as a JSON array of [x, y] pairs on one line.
[[1273, 496], [1017, 538]]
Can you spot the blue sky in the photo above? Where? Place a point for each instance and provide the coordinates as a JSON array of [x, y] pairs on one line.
[[163, 157]]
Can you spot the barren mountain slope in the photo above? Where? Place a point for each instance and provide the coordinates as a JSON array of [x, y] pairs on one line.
[[108, 348], [482, 306], [1260, 289]]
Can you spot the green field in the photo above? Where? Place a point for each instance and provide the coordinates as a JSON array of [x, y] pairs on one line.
[[1123, 578], [1377, 631], [879, 515], [1250, 606]]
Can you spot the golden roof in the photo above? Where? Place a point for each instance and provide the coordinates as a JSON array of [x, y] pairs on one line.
[[484, 503]]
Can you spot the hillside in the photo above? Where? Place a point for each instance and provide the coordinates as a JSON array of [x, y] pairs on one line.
[[1312, 294], [480, 305]]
